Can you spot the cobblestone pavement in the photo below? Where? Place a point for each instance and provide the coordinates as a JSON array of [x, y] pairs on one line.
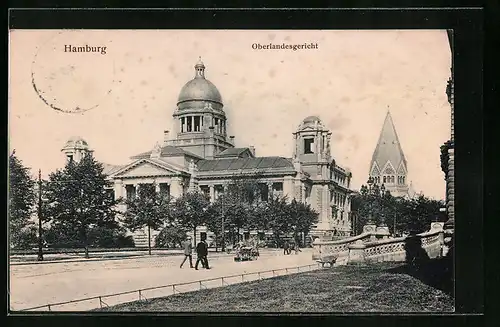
[[35, 285]]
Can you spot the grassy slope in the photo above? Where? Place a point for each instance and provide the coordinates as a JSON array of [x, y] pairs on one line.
[[373, 288]]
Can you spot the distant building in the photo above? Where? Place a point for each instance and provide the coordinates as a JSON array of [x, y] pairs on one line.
[[202, 157], [388, 166], [448, 148]]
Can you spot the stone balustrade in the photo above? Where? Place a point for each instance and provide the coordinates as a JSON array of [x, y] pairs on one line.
[[371, 247]]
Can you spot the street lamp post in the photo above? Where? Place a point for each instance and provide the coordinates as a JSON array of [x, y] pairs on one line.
[[370, 193], [223, 247]]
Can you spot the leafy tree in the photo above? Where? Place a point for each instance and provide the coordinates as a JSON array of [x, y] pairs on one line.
[[147, 208], [170, 237], [103, 237], [302, 218], [27, 237], [278, 213], [191, 211], [78, 200], [401, 215], [21, 201], [215, 213]]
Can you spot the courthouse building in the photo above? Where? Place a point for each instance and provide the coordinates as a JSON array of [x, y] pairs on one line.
[[202, 157]]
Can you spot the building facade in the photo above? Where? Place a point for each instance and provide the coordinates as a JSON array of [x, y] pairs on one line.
[[388, 166], [202, 157]]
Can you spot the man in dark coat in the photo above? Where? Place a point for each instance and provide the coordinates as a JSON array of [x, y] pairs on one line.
[[202, 252]]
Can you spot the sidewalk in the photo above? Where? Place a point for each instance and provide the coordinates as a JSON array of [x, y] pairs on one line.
[[58, 283], [100, 256]]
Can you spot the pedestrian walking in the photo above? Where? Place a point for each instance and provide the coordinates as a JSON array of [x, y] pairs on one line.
[[202, 252], [286, 247], [297, 248], [188, 251]]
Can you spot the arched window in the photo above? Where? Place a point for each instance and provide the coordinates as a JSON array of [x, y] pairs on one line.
[[385, 180]]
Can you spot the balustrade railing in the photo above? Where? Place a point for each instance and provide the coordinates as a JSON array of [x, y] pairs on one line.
[[371, 247]]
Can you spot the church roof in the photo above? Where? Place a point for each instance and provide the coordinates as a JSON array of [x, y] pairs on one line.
[[245, 164], [166, 151], [388, 148]]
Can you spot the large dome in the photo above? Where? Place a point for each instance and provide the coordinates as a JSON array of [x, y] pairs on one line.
[[199, 88]]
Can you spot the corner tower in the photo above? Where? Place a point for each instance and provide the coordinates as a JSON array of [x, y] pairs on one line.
[[388, 165], [200, 119], [75, 149], [312, 147]]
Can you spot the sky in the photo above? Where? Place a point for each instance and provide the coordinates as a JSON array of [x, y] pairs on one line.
[[350, 81]]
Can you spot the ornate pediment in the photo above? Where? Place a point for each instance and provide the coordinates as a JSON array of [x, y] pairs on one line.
[[402, 169], [146, 168], [375, 170], [389, 169]]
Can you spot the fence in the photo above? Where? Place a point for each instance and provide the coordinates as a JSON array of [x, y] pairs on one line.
[[171, 289]]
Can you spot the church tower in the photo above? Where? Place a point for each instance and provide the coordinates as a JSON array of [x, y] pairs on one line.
[[388, 165], [75, 149], [201, 120]]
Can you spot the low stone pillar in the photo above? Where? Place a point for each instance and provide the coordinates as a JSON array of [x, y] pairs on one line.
[[356, 253], [370, 228], [437, 226], [316, 249], [382, 232]]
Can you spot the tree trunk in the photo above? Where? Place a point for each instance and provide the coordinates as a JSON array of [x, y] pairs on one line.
[[216, 242], [149, 239], [194, 235], [85, 243]]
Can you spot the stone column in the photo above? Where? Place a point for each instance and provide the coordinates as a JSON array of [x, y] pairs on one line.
[[303, 193], [176, 187], [212, 193], [288, 187], [118, 187], [136, 187], [325, 203], [269, 190]]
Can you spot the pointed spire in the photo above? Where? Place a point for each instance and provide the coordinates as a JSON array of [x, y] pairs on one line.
[[388, 148], [199, 69]]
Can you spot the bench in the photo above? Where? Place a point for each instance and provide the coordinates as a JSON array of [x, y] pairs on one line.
[[328, 259]]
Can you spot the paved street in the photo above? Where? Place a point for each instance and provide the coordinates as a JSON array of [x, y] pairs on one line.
[[41, 284]]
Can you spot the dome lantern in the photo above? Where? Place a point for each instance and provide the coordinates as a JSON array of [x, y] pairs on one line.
[[200, 69]]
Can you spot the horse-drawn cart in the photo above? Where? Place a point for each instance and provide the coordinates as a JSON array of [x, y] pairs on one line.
[[246, 253]]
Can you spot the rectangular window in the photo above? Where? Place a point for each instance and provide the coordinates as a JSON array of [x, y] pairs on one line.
[[183, 124], [308, 145], [392, 179], [189, 125], [278, 189], [196, 123], [218, 190], [164, 189], [264, 192], [216, 125], [385, 180]]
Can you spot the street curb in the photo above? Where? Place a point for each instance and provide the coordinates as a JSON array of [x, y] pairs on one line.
[[25, 263]]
